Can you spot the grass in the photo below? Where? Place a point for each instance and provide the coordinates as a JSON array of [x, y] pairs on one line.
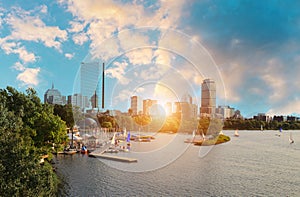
[[217, 140]]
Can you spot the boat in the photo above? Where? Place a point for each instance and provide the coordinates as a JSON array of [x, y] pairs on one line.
[[194, 134], [236, 133], [291, 140], [84, 150], [70, 151], [280, 131], [203, 136]]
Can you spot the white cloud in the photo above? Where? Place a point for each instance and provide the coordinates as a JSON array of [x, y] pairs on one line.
[[136, 46], [80, 38], [275, 80], [69, 55], [123, 95], [118, 72], [103, 18], [29, 76], [18, 66], [24, 55], [233, 75], [163, 57], [140, 56], [76, 26], [43, 9], [32, 28], [287, 108]]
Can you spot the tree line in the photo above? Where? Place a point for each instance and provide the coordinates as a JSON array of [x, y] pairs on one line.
[[252, 124], [28, 130]]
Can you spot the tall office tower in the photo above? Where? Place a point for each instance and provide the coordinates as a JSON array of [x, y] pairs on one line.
[[77, 100], [89, 78], [136, 105], [208, 98], [186, 110], [53, 96], [148, 109], [94, 100], [69, 101]]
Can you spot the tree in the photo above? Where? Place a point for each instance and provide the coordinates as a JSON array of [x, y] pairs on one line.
[[27, 127], [105, 117], [68, 113], [209, 126], [21, 173]]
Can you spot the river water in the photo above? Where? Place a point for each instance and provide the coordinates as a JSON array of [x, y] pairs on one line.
[[258, 163]]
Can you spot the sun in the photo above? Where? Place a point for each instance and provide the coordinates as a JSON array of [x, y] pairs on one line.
[[165, 98]]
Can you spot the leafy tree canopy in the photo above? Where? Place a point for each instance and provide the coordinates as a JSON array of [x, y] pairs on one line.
[[27, 131]]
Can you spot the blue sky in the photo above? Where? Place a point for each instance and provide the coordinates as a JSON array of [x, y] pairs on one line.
[[158, 49]]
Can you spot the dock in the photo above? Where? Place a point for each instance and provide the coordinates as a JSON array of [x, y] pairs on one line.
[[113, 157]]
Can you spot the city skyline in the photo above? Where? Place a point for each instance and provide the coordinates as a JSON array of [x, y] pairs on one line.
[[252, 48]]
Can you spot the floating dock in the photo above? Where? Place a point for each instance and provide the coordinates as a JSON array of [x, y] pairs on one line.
[[113, 157]]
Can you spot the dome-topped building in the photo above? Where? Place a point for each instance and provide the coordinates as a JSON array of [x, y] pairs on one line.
[[53, 96]]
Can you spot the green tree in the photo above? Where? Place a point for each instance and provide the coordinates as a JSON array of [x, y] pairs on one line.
[[21, 172], [27, 130], [208, 126]]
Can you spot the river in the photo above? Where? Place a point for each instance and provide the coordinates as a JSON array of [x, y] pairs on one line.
[[258, 163]]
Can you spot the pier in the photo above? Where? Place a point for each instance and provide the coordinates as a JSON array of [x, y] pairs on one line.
[[112, 157]]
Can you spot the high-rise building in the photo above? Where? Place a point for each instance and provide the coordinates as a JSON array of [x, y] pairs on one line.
[[208, 98], [79, 101], [136, 105], [148, 109], [53, 96], [94, 100], [186, 110], [225, 111], [89, 78]]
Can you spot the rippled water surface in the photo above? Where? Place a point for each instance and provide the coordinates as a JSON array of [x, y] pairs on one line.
[[258, 163]]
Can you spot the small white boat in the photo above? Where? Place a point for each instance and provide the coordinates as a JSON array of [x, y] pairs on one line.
[[236, 133], [291, 140]]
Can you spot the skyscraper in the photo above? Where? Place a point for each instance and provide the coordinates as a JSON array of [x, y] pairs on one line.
[[53, 96], [89, 77], [136, 105], [148, 108], [94, 100], [208, 98]]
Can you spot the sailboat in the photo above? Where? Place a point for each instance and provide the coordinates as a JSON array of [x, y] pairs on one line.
[[236, 133], [203, 136], [112, 148], [113, 140], [194, 133], [128, 141], [280, 131], [291, 139]]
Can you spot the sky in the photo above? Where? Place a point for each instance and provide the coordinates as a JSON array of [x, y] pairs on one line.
[[158, 49]]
